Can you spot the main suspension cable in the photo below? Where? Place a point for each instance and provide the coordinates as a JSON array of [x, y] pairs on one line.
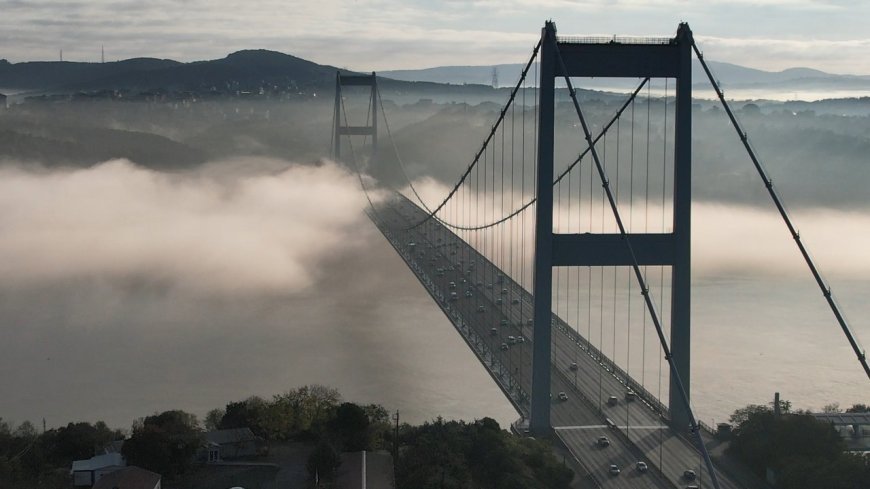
[[780, 206], [486, 141], [568, 169]]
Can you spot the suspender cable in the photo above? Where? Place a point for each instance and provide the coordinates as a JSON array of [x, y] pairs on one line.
[[641, 281], [780, 206], [562, 175], [487, 140]]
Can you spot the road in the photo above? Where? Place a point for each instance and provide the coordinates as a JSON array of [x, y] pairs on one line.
[[491, 312]]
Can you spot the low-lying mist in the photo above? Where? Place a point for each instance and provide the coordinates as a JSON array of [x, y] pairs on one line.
[[125, 291], [727, 239], [243, 226]]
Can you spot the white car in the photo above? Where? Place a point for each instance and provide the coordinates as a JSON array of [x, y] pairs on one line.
[[641, 466], [614, 469], [562, 396]]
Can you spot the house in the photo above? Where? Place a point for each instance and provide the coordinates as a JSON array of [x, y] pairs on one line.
[[233, 443], [86, 473], [129, 478]]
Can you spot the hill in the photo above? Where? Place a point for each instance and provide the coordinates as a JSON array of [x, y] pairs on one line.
[[238, 71], [734, 76]]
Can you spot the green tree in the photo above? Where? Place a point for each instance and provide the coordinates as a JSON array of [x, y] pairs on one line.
[[804, 452], [213, 419], [351, 427], [164, 443], [323, 461]]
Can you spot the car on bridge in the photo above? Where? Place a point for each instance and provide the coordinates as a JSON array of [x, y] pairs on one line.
[[630, 395], [562, 396], [641, 466], [515, 301], [614, 469], [612, 401], [573, 367], [689, 475], [602, 441]]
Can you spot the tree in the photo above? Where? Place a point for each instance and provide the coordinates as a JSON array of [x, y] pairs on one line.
[[351, 427], [164, 443], [478, 455], [250, 413], [797, 446], [833, 407], [77, 441], [213, 419], [323, 461], [859, 408]]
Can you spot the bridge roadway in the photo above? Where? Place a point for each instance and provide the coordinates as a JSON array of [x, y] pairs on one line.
[[487, 307]]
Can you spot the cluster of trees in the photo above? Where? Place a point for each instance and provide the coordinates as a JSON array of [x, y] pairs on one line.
[[32, 459], [456, 454], [801, 451], [315, 414], [167, 442]]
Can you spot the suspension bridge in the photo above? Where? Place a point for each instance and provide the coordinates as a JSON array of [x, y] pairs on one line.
[[564, 262]]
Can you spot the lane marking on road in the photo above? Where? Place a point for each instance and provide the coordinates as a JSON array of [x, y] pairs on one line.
[[600, 426]]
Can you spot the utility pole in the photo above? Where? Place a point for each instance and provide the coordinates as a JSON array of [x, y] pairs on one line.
[[396, 439]]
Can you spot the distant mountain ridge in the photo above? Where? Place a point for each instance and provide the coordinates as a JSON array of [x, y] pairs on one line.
[[239, 70], [731, 74], [253, 69]]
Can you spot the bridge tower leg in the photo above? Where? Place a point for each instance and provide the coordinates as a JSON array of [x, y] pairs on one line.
[[341, 127], [681, 272], [539, 411], [670, 58]]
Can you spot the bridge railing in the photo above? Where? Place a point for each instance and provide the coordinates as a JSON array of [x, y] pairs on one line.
[[614, 40], [496, 368]]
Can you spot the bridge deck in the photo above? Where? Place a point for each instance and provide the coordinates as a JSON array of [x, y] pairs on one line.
[[486, 306]]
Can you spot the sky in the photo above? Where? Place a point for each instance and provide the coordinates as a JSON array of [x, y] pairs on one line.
[[366, 35]]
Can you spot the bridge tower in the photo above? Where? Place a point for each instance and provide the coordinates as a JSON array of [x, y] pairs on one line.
[[340, 127], [613, 58]]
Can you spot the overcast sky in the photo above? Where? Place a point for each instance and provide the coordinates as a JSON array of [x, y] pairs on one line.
[[365, 35]]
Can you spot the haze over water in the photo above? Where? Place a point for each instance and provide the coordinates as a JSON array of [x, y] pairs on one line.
[[173, 321]]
